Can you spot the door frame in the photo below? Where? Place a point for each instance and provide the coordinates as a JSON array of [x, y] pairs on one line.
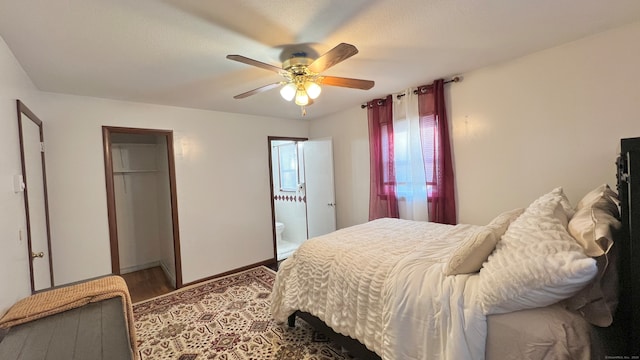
[[273, 205], [111, 200], [24, 110]]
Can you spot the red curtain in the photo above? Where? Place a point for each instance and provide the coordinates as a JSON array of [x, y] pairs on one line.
[[436, 153], [382, 199]]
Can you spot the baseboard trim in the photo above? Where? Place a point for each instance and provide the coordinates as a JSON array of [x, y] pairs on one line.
[[171, 276], [130, 269], [268, 262]]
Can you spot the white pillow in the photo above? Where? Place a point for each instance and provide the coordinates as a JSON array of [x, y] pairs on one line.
[[536, 263], [593, 226], [472, 252], [501, 223], [602, 191], [562, 210]]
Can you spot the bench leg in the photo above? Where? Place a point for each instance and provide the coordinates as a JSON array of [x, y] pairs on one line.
[[291, 321]]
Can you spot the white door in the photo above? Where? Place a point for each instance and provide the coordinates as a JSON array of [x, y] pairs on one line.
[[318, 168], [36, 201]]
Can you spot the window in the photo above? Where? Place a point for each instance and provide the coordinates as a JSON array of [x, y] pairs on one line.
[[411, 186], [408, 160], [288, 165]]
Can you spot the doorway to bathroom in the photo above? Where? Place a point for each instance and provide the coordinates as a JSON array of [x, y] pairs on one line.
[[142, 208], [302, 191]]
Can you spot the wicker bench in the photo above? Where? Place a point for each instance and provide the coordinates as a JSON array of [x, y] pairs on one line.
[[87, 320], [94, 331]]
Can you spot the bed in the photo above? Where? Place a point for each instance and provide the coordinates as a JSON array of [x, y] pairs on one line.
[[535, 283]]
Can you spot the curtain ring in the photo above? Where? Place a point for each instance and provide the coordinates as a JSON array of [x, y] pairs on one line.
[[380, 102]]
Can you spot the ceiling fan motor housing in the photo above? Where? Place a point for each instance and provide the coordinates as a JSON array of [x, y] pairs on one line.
[[298, 65]]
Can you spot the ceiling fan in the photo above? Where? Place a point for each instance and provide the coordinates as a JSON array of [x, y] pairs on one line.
[[302, 77]]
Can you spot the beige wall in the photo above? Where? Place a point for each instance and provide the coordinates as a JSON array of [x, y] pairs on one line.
[[222, 179], [519, 129], [14, 262], [222, 182], [553, 118], [351, 162]]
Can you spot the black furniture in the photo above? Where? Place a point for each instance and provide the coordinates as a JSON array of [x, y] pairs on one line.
[[628, 316]]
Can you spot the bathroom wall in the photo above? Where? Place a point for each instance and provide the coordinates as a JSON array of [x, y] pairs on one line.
[[290, 207]]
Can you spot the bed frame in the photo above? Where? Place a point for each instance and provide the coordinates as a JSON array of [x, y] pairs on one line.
[[355, 348], [621, 340]]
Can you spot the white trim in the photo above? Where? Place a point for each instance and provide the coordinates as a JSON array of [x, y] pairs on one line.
[[133, 268], [171, 276]]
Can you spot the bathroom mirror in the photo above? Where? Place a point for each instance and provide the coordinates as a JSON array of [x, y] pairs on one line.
[[34, 186]]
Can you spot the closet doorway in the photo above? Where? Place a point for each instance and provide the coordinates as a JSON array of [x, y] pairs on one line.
[[142, 209]]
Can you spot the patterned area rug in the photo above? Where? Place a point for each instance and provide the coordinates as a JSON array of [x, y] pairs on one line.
[[225, 318]]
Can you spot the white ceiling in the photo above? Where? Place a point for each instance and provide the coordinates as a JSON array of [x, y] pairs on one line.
[[173, 52]]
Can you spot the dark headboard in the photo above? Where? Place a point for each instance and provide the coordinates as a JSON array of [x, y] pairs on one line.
[[628, 315]]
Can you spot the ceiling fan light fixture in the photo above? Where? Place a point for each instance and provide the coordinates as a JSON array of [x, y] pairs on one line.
[[302, 99], [312, 89], [288, 92], [303, 79]]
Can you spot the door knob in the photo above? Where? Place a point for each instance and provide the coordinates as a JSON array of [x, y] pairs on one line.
[[331, 204], [38, 255]]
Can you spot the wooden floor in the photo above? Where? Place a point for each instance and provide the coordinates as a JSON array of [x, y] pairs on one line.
[[146, 284]]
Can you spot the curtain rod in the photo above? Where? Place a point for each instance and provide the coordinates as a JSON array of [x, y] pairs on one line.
[[453, 80]]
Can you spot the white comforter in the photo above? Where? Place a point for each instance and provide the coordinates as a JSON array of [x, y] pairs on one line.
[[382, 283]]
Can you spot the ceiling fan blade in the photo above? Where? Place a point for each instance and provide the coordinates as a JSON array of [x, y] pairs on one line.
[[260, 64], [339, 53], [347, 82], [258, 90]]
